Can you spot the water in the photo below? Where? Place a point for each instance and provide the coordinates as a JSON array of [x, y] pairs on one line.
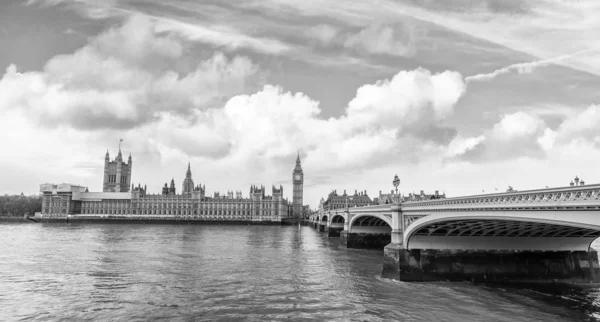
[[112, 272]]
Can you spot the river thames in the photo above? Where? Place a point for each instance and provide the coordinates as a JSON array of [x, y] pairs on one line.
[[112, 272]]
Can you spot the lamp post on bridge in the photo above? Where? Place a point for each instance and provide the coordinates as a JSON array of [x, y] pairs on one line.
[[397, 221], [396, 183]]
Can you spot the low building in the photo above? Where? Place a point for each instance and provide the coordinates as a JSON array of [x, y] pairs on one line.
[[343, 201]]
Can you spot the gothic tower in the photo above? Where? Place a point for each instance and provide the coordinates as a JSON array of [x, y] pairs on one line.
[[117, 174], [298, 181], [188, 183]]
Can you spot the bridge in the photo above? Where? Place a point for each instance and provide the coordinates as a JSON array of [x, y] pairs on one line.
[[522, 236]]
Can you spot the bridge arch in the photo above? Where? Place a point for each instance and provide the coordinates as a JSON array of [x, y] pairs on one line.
[[337, 220], [515, 230], [370, 223]]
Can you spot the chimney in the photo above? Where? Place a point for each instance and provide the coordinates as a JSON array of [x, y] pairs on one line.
[[422, 193], [437, 193]]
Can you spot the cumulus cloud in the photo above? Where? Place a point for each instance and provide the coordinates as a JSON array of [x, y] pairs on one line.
[[141, 90], [396, 40], [516, 135], [401, 117], [123, 78], [583, 126]]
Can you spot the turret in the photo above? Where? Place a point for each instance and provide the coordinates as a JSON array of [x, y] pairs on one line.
[[172, 190]]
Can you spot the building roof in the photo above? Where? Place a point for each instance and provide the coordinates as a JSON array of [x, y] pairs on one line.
[[97, 196], [63, 187]]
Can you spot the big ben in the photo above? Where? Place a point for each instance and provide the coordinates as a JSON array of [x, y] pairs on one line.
[[298, 181]]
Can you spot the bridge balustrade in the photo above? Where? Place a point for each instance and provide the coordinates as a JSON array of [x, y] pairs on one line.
[[578, 197]]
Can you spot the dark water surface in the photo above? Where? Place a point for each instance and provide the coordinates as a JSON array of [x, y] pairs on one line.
[[112, 272]]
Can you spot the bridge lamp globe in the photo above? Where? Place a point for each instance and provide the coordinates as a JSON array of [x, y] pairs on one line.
[[396, 182]]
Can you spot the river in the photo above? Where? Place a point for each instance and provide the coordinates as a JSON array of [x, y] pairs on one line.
[[115, 272]]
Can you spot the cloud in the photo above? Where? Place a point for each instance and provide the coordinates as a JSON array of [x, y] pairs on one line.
[[524, 134], [221, 36], [522, 68], [397, 40], [483, 6], [323, 33], [123, 78], [520, 26], [516, 135], [400, 117], [583, 126]]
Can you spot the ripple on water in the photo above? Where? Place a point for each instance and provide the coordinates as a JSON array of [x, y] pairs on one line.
[[234, 273]]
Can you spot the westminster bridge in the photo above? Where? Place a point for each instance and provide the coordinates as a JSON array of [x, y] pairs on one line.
[[522, 236]]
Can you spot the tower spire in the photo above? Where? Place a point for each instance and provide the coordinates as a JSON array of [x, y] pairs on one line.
[[188, 174]]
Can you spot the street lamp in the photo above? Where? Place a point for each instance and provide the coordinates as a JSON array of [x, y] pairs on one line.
[[396, 183]]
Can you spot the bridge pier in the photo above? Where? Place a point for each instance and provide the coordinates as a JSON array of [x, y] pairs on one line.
[[321, 227], [565, 267], [365, 240], [333, 231]]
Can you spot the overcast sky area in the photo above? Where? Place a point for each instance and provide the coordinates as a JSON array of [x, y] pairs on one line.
[[457, 96]]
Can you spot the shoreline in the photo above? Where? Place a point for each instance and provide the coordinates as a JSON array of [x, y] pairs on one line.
[[13, 218], [145, 221]]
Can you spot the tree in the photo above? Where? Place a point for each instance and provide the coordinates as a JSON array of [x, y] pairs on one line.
[[18, 205]]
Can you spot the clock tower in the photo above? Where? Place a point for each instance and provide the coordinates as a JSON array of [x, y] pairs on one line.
[[298, 181]]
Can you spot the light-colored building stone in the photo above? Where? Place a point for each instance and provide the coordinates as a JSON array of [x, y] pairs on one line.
[[59, 201]]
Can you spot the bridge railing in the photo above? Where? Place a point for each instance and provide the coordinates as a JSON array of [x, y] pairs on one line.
[[580, 197]]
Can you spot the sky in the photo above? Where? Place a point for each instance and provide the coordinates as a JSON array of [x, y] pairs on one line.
[[461, 96]]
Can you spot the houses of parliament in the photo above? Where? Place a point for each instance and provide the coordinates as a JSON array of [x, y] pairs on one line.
[[120, 199]]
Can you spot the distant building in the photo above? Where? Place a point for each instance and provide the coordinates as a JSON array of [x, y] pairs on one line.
[[117, 200], [423, 196], [391, 197], [335, 201]]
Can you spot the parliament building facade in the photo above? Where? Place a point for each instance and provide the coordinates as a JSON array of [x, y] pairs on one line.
[[122, 200]]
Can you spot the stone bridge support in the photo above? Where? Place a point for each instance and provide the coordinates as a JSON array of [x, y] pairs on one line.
[[371, 227], [518, 246], [335, 224]]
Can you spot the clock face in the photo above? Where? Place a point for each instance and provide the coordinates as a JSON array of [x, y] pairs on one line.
[[297, 177]]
